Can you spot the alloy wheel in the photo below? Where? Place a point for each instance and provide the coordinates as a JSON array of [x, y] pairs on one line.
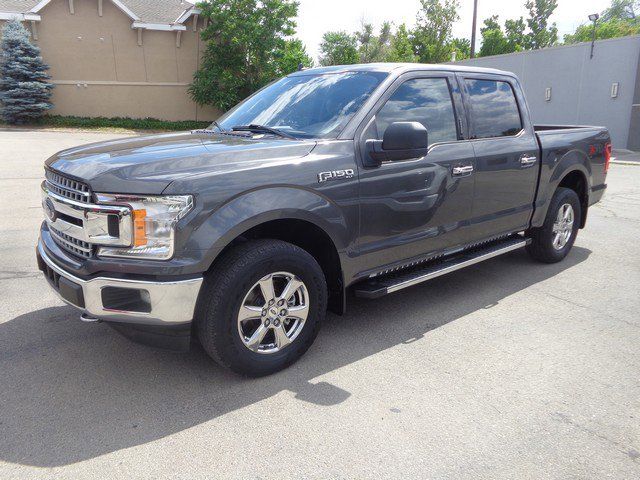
[[563, 226], [273, 313]]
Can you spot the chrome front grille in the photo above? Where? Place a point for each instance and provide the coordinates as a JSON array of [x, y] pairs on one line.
[[70, 244], [77, 224], [67, 188]]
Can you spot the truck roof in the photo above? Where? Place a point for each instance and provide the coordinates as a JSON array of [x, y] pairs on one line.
[[398, 68]]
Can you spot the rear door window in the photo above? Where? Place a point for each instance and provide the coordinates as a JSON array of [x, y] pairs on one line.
[[494, 110], [424, 100]]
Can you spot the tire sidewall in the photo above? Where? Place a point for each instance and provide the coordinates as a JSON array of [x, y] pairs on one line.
[[229, 343], [562, 196]]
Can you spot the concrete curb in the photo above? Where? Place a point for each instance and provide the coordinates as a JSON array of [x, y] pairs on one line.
[[632, 163]]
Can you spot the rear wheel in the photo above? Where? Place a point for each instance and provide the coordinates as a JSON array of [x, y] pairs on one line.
[[553, 241], [261, 307]]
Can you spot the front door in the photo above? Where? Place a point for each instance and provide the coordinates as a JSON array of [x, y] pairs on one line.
[[411, 208]]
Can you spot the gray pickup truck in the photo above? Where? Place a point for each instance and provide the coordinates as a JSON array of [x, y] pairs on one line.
[[353, 180]]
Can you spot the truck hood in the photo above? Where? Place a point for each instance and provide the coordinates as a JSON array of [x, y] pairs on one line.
[[148, 164]]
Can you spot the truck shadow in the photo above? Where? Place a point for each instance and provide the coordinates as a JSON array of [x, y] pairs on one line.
[[70, 391]]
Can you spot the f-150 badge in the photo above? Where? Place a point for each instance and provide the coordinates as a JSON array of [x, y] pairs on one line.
[[335, 175]]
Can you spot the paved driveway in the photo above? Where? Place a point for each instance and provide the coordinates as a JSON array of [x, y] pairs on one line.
[[508, 369]]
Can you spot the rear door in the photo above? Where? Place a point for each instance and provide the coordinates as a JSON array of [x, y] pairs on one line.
[[506, 154], [416, 206]]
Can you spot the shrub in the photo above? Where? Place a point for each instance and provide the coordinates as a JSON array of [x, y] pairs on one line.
[[118, 122]]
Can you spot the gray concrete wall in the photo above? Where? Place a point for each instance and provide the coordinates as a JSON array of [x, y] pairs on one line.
[[581, 87], [634, 127]]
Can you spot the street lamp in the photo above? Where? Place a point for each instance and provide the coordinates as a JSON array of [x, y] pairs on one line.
[[594, 18]]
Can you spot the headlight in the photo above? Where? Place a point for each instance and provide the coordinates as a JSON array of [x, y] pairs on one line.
[[154, 220]]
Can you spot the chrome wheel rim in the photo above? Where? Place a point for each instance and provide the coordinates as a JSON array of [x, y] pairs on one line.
[[273, 313], [563, 226]]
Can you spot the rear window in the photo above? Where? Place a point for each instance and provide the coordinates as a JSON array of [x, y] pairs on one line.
[[494, 110]]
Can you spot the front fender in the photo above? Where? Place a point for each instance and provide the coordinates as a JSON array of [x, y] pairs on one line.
[[256, 207]]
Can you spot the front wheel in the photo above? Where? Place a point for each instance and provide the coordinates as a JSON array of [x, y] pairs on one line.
[[553, 241], [261, 307]]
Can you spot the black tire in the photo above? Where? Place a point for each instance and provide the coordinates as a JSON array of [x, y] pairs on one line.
[[224, 290], [541, 247]]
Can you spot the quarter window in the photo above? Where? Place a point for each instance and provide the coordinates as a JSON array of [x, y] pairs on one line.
[[424, 100], [494, 110]]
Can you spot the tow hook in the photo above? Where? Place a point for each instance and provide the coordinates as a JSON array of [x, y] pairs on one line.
[[89, 319]]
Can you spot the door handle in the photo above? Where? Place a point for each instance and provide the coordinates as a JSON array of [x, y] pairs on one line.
[[462, 170], [527, 160]]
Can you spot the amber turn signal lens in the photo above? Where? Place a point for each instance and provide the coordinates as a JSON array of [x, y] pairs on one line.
[[139, 228]]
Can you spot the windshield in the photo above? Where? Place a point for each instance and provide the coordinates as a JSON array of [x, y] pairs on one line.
[[306, 106]]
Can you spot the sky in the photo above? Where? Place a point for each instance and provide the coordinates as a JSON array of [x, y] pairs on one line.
[[318, 16]]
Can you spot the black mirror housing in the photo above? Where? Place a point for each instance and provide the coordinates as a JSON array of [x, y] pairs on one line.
[[401, 141], [405, 136]]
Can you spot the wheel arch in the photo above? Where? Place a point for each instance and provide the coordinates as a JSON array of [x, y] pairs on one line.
[[315, 225], [559, 164], [577, 181]]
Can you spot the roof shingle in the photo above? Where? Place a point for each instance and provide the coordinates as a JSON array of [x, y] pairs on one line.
[[17, 6], [149, 11], [157, 11]]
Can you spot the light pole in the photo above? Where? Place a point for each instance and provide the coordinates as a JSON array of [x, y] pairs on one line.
[[473, 28], [594, 18]]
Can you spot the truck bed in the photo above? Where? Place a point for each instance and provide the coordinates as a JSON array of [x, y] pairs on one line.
[[551, 128], [564, 146]]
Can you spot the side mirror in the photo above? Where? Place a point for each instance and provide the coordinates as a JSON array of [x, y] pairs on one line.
[[401, 141]]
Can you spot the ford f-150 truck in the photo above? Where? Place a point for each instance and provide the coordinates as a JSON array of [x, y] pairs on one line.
[[351, 180]]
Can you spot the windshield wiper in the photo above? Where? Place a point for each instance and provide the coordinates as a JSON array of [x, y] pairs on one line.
[[216, 124], [262, 128]]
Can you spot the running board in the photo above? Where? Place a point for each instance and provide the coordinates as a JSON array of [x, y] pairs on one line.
[[384, 284]]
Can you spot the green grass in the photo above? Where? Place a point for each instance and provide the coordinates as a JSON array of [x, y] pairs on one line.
[[59, 121]]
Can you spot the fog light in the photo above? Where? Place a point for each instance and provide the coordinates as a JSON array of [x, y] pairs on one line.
[[126, 299]]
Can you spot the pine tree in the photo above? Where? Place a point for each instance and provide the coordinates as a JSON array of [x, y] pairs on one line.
[[24, 89]]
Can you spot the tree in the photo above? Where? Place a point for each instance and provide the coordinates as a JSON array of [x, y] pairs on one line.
[[366, 40], [622, 10], [619, 20], [611, 29], [401, 48], [24, 89], [291, 56], [384, 39], [541, 35], [514, 31], [490, 23], [371, 47], [432, 34], [462, 47], [494, 42], [338, 48], [246, 42]]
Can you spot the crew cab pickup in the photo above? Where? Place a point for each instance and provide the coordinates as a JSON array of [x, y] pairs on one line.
[[351, 180]]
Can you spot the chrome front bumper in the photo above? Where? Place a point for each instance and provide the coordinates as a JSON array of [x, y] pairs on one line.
[[167, 303]]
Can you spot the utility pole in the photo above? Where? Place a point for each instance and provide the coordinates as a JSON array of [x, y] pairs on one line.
[[473, 28]]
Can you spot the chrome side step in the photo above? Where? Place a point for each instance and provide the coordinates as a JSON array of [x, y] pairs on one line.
[[379, 286]]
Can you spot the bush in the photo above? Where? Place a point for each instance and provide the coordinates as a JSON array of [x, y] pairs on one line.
[[118, 122]]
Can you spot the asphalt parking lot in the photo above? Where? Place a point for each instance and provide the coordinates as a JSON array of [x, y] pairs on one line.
[[507, 369]]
